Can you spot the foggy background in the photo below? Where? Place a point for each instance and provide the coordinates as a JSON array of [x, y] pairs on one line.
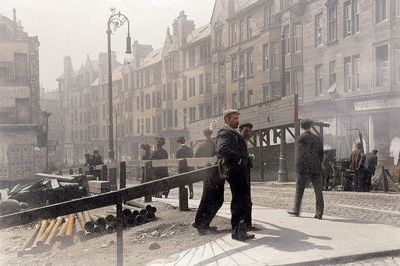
[[78, 27]]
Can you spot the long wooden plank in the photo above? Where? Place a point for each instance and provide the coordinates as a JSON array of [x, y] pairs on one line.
[[106, 199], [192, 162]]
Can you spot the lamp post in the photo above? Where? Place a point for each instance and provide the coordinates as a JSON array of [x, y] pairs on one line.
[[283, 170], [115, 21]]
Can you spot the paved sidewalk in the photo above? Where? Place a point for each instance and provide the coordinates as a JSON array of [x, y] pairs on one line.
[[288, 240]]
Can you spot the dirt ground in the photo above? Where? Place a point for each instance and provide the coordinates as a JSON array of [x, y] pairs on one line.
[[170, 233]]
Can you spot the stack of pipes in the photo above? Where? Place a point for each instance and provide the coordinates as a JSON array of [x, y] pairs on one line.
[[83, 225]]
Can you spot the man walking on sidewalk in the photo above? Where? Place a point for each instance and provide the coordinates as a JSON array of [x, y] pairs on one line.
[[308, 165]]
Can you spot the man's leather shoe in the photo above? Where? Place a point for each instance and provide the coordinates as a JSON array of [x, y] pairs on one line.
[[318, 216], [243, 237], [293, 213]]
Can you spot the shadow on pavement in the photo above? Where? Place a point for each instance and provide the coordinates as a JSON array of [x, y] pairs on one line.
[[277, 237]]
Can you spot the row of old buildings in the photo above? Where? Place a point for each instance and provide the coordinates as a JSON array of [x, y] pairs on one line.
[[342, 58], [23, 124]]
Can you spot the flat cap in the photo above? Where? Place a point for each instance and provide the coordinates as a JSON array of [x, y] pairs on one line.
[[248, 124], [230, 111]]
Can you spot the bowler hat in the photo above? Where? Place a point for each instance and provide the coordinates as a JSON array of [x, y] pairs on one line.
[[181, 139]]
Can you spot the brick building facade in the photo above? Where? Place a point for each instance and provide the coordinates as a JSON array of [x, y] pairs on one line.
[[341, 58], [23, 126]]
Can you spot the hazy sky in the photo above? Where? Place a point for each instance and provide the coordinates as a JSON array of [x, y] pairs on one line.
[[78, 27]]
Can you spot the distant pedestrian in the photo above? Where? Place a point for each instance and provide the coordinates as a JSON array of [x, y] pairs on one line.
[[308, 166], [246, 133], [356, 164], [371, 161], [97, 159], [207, 147], [160, 154], [88, 160], [146, 149], [184, 151]]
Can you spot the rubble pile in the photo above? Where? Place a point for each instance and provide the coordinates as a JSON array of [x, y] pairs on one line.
[[48, 191]]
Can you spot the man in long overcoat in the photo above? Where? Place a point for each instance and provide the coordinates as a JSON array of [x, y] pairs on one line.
[[232, 153], [310, 153]]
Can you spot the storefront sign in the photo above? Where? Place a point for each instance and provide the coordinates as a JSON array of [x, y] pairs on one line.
[[377, 104]]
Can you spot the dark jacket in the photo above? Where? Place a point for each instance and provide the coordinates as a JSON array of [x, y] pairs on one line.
[[309, 154], [146, 155], [371, 160], [97, 160], [160, 154], [184, 151], [355, 159], [205, 149], [233, 150]]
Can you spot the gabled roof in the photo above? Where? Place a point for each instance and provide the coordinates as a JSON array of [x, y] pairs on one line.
[[199, 33], [152, 58]]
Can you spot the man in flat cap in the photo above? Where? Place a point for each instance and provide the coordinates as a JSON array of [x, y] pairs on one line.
[[310, 153], [246, 133], [232, 153], [184, 151], [160, 154]]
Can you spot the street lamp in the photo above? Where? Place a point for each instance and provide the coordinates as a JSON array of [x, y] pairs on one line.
[[115, 21]]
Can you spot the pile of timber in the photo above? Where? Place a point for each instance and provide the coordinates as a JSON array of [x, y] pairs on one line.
[[84, 225]]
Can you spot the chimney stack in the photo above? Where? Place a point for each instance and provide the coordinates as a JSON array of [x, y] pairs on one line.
[[15, 22]]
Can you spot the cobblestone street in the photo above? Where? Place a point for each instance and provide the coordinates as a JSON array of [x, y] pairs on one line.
[[372, 207], [366, 207]]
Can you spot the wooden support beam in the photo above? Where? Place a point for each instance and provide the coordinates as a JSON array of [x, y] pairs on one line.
[[183, 191], [122, 175], [106, 199], [290, 133], [315, 130], [147, 172]]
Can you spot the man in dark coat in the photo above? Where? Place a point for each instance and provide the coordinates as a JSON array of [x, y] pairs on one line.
[[97, 160], [184, 151], [146, 149], [160, 154], [246, 133], [371, 160], [88, 159], [212, 196], [308, 165], [357, 165], [232, 153], [207, 147]]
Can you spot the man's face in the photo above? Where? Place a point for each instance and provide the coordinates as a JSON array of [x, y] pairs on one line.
[[233, 121], [246, 133]]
